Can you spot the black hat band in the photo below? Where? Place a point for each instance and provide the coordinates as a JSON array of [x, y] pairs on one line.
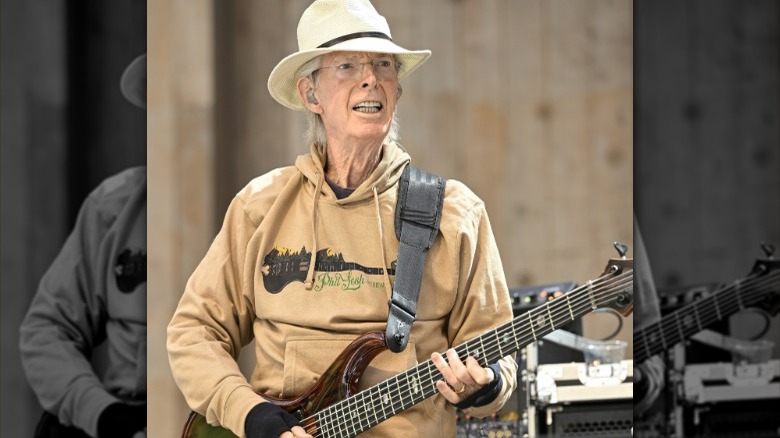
[[352, 36]]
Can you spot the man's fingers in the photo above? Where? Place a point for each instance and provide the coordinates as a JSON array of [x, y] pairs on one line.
[[461, 372], [298, 431], [481, 376], [295, 432], [447, 392], [450, 386], [445, 369], [460, 380]]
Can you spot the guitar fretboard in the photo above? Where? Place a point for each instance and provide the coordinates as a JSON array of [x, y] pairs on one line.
[[694, 317], [370, 407]]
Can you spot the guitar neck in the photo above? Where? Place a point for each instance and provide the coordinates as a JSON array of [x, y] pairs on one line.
[[368, 408], [695, 317]]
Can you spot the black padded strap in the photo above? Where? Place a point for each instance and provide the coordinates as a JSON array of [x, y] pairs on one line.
[[417, 219]]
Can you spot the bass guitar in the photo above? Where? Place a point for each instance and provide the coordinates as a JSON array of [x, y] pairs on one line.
[[761, 288], [332, 407]]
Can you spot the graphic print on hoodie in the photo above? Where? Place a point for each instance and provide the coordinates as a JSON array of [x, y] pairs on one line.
[[282, 266]]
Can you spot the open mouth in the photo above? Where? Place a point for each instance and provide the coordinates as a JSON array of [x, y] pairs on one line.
[[371, 106]]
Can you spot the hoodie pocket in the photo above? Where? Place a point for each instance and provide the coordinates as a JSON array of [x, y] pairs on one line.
[[306, 359]]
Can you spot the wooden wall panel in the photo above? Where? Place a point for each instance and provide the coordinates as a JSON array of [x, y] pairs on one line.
[[181, 141], [527, 202], [34, 156], [708, 156], [662, 137]]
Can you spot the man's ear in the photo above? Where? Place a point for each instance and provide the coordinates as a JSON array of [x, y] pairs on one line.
[[306, 93]]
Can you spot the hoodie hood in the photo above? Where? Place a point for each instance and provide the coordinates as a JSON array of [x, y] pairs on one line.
[[387, 173]]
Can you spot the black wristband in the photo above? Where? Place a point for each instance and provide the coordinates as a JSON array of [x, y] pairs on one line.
[[120, 420], [487, 393], [268, 420], [641, 384]]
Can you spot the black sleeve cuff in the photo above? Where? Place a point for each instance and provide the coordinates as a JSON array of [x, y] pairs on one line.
[[121, 420], [640, 383], [487, 393], [268, 420]]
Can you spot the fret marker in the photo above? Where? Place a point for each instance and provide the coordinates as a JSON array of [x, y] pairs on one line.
[[739, 295], [696, 315], [663, 339], [679, 326], [484, 353], [568, 301], [415, 385], [499, 342], [551, 318], [717, 307], [590, 294], [385, 399], [647, 347], [514, 334]]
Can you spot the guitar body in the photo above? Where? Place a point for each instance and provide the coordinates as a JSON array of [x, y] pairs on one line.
[[197, 427], [337, 383]]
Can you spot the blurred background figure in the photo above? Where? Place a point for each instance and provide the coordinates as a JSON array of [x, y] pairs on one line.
[[66, 127]]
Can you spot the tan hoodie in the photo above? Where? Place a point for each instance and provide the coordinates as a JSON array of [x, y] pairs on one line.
[[260, 280]]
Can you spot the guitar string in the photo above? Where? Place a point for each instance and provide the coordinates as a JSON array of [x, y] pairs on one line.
[[342, 421], [404, 402], [561, 314], [711, 311], [582, 303], [672, 324], [658, 338], [545, 316], [398, 388], [339, 424]]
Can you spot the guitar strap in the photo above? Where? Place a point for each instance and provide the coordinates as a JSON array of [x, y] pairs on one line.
[[417, 219]]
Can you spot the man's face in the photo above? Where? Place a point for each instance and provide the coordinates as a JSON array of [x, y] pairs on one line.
[[357, 100]]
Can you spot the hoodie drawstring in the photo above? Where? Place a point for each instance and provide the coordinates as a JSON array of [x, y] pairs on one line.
[[383, 262], [313, 259]]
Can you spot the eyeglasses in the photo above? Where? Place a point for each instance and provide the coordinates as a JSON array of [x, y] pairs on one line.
[[383, 69]]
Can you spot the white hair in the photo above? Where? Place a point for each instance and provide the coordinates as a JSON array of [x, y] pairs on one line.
[[315, 129]]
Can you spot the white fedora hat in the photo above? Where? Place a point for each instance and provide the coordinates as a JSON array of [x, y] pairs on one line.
[[332, 26]]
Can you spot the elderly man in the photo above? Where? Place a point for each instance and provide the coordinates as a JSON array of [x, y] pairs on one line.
[[304, 260]]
